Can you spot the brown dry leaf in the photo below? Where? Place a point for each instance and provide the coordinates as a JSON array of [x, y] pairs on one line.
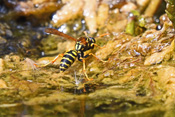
[[158, 57]]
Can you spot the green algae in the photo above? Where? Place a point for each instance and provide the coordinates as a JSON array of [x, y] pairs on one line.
[[136, 24]]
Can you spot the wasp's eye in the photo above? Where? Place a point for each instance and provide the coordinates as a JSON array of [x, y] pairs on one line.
[[92, 39]]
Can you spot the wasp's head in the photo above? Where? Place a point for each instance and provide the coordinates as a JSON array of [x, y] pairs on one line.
[[81, 43], [85, 43]]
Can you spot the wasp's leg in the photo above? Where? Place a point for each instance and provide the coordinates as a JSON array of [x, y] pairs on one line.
[[84, 70], [95, 57], [55, 59], [99, 46]]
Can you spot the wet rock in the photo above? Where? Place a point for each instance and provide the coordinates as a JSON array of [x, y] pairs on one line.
[[5, 30], [2, 40]]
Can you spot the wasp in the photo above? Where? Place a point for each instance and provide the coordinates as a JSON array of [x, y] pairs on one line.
[[82, 44]]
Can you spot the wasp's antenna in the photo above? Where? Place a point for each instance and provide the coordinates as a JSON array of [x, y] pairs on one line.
[[102, 35], [85, 32]]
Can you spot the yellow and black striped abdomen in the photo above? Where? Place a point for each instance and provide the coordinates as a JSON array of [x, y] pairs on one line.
[[68, 59]]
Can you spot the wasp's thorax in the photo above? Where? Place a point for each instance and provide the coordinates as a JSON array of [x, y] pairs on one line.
[[84, 43]]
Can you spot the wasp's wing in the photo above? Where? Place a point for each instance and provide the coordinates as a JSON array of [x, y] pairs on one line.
[[56, 32]]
